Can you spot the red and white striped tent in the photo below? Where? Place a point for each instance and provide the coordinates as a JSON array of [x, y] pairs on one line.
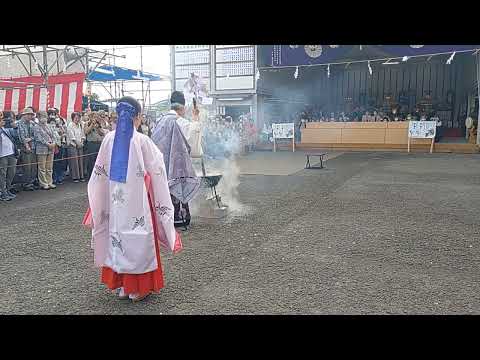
[[63, 92]]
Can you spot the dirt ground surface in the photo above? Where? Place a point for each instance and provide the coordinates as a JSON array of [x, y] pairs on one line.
[[373, 233]]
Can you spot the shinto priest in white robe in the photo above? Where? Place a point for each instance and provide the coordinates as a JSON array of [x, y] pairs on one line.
[[131, 212]]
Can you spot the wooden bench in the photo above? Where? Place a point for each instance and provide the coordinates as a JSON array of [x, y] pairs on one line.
[[320, 155]]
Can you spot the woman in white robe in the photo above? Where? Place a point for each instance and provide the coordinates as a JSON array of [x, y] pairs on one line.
[[131, 212]]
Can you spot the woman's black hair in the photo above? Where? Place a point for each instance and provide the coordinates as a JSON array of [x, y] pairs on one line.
[[130, 100]]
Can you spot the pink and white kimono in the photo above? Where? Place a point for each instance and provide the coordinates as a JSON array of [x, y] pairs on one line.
[[131, 220]]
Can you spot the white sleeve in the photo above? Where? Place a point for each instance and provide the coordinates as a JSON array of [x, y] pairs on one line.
[[185, 127], [195, 140], [162, 202], [70, 135], [99, 203]]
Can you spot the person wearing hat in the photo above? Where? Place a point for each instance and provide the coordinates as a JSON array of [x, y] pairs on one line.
[[28, 157], [53, 112], [169, 136], [54, 115], [177, 101]]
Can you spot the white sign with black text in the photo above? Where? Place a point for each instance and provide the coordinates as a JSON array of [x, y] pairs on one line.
[[422, 130], [283, 131]]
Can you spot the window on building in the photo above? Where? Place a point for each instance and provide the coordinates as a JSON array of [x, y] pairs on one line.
[[234, 67], [191, 59]]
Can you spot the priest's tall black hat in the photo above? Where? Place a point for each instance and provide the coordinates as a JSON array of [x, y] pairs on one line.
[[177, 97]]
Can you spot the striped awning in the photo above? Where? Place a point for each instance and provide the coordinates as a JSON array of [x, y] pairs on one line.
[[63, 92]]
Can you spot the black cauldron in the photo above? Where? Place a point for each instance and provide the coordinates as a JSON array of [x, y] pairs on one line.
[[211, 181]]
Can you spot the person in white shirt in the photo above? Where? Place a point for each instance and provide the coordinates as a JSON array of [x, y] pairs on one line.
[[75, 142], [8, 161]]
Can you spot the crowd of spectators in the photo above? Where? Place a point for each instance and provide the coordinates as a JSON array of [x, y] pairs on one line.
[[40, 149], [223, 136]]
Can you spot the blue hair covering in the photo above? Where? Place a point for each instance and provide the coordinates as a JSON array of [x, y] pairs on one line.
[[121, 143]]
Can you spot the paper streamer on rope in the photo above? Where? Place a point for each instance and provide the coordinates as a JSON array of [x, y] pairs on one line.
[[295, 75], [370, 68], [405, 58], [195, 85], [449, 61], [328, 71]]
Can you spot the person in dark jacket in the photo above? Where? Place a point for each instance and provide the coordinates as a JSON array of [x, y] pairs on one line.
[[28, 160]]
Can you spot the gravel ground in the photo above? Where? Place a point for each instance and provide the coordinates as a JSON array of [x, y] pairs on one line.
[[375, 233]]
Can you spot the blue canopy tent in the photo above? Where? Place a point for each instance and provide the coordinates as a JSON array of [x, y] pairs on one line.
[[108, 73]]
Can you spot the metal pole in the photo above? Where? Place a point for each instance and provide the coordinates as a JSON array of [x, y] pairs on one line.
[[45, 76], [89, 86], [114, 83], [110, 86], [149, 94], [111, 100], [172, 68], [141, 68], [478, 93]]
